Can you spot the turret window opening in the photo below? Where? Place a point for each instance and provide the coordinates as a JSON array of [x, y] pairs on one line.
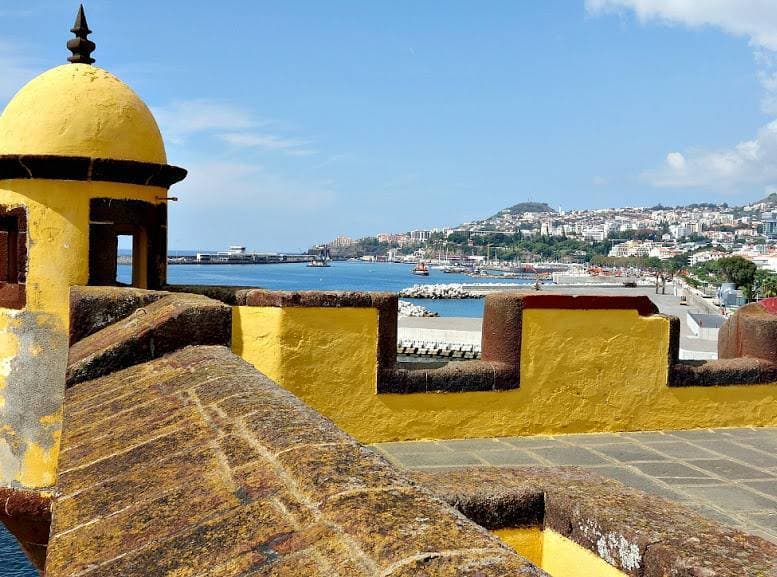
[[127, 225], [13, 257]]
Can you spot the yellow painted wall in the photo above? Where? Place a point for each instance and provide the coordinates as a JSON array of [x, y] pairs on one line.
[[313, 351], [582, 371], [556, 554], [34, 340]]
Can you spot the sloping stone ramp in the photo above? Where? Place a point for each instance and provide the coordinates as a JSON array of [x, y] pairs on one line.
[[196, 464]]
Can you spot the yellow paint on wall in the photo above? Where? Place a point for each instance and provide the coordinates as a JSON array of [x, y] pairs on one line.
[[582, 371], [57, 259], [527, 541], [39, 465], [555, 554], [256, 334]]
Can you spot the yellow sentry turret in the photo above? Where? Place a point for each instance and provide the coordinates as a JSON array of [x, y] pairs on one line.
[[82, 162]]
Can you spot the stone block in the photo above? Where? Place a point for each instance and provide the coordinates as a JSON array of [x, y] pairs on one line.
[[169, 324], [750, 332], [93, 308]]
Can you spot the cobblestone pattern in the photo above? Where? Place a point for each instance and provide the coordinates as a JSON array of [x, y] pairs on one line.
[[729, 475], [196, 464]]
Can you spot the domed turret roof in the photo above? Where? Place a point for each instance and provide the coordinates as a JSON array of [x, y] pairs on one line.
[[80, 110]]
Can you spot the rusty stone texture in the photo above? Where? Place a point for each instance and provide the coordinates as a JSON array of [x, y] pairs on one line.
[[452, 377], [329, 299], [644, 536], [93, 308], [230, 295], [27, 515], [750, 332], [168, 324], [722, 372], [194, 463]]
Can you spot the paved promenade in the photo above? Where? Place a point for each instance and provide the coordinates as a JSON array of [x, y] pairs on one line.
[[727, 474]]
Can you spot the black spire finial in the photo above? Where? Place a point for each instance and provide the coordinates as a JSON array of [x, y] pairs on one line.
[[80, 46]]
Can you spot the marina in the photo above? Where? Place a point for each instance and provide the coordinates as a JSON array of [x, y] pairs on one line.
[[236, 255]]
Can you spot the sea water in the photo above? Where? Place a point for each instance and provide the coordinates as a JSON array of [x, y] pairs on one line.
[[13, 561], [346, 276]]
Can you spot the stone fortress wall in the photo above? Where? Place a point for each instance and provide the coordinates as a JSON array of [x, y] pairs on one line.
[[550, 365], [180, 457]]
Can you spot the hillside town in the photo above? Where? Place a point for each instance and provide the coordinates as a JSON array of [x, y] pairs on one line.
[[704, 232]]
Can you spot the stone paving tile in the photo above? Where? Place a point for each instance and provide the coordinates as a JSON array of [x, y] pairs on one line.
[[766, 487], [681, 482], [634, 479], [407, 447], [747, 432], [649, 437], [712, 513], [740, 453], [630, 452], [529, 442], [509, 457], [438, 459], [730, 470], [767, 445], [670, 469], [592, 439], [766, 520], [732, 498], [566, 455], [695, 434], [474, 445], [681, 450]]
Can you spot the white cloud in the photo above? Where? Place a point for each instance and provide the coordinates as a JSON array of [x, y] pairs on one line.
[[767, 76], [751, 162], [251, 186], [755, 19], [675, 160], [184, 118], [291, 146]]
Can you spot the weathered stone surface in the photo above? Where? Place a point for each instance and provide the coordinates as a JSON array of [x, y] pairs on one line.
[[27, 515], [453, 377], [208, 467], [163, 326], [642, 535], [750, 332], [95, 307], [722, 372], [231, 295]]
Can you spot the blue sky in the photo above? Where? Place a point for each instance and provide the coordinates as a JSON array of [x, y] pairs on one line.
[[303, 120]]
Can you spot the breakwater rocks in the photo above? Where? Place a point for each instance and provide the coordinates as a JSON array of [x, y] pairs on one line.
[[407, 309], [437, 291]]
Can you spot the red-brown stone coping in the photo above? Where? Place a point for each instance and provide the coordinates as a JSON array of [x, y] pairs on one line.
[[499, 365], [27, 515], [643, 536]]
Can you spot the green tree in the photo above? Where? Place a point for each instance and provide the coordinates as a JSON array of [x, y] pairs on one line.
[[737, 270]]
